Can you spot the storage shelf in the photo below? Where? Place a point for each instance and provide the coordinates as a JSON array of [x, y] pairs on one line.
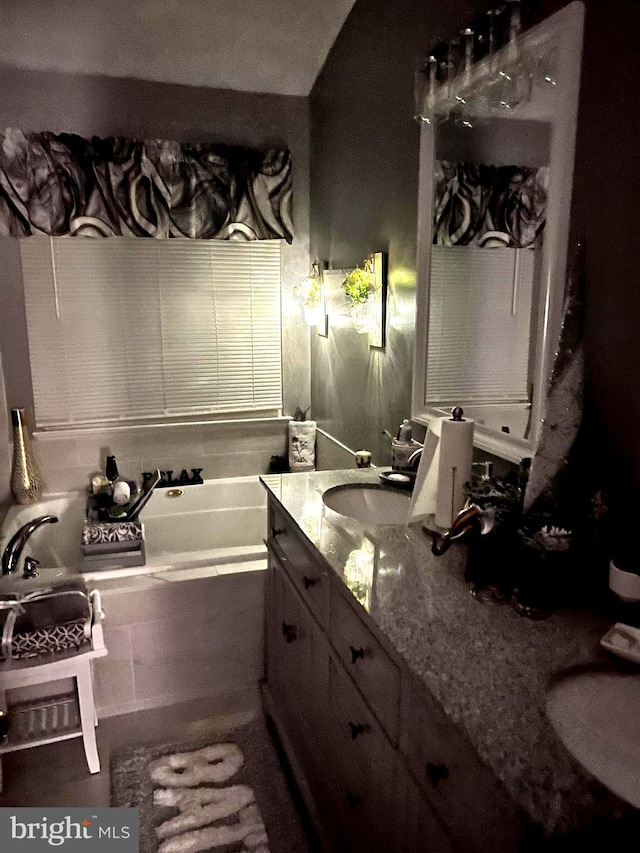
[[530, 46], [42, 721], [8, 746]]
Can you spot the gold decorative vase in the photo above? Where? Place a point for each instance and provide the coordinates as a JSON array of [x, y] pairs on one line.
[[26, 485]]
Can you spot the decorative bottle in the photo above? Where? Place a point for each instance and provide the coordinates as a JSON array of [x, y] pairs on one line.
[[26, 485], [111, 469]]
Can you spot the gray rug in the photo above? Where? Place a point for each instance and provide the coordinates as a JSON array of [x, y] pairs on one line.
[[226, 794]]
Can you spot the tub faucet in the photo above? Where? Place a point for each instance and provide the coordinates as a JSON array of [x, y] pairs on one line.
[[141, 501], [15, 546]]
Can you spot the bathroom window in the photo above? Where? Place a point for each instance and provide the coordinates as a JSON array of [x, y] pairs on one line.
[[124, 329]]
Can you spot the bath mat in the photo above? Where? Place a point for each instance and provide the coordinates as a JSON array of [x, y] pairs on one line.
[[226, 794]]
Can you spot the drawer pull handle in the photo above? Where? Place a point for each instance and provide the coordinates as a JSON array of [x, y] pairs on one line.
[[437, 772], [290, 632], [308, 581], [356, 654], [358, 729], [353, 800], [277, 531]]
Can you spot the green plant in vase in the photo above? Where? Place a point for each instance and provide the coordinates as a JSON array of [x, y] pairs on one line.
[[310, 291], [358, 286]]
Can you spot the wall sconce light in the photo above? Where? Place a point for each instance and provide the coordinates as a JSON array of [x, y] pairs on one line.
[[311, 294], [358, 297], [365, 288]]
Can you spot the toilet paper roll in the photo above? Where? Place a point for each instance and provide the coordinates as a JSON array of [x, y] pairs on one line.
[[445, 466], [454, 470]]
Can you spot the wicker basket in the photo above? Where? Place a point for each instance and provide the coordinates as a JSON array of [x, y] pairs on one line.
[[42, 719]]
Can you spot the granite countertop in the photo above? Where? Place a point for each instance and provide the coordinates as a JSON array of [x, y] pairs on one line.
[[489, 667]]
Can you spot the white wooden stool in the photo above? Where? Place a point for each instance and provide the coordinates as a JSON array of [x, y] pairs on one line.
[[53, 667]]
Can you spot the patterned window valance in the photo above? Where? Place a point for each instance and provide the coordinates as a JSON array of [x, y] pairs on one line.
[[478, 205], [64, 184]]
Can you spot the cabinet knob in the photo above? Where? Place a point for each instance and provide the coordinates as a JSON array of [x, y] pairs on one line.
[[289, 632], [358, 729], [308, 581], [437, 772], [356, 653], [277, 531], [353, 800]]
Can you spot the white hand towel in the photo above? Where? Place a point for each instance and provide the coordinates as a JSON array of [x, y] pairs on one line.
[[302, 445]]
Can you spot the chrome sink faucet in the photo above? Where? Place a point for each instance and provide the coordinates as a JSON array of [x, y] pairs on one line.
[[15, 546], [416, 454]]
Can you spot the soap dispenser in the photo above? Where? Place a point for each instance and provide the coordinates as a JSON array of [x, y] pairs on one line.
[[402, 448]]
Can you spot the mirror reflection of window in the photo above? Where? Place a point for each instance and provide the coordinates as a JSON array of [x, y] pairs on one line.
[[488, 221], [479, 330], [490, 203]]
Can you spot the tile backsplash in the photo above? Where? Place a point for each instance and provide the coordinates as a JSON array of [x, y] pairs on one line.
[[171, 642], [221, 449]]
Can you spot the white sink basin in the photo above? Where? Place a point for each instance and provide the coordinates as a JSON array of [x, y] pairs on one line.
[[597, 717], [371, 504]]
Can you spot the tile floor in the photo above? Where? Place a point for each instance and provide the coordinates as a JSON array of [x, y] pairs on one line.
[[57, 774]]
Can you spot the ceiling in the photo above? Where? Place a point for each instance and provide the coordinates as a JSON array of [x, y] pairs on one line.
[[274, 46]]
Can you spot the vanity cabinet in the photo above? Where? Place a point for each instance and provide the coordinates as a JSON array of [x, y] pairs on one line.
[[381, 768], [461, 789]]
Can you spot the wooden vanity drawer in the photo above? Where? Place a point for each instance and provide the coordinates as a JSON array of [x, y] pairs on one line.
[[307, 574], [455, 780], [289, 640], [375, 673], [365, 770], [422, 830]]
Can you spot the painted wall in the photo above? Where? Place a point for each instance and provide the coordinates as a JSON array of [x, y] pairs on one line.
[[104, 106], [364, 180], [606, 217], [364, 175]]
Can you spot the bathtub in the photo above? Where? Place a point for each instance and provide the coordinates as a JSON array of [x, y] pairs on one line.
[[188, 624], [218, 523]]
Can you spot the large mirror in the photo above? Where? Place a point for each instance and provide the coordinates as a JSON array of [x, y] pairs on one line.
[[496, 168]]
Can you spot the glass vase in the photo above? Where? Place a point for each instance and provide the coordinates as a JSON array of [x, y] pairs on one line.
[[362, 317], [26, 485]]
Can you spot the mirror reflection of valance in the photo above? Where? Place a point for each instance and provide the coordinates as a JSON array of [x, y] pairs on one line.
[[65, 184], [478, 205]]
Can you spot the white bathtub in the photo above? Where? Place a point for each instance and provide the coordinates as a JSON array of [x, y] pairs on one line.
[[188, 624], [217, 523]]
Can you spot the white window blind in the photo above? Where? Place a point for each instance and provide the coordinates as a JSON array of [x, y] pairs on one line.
[[479, 325], [125, 329]]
